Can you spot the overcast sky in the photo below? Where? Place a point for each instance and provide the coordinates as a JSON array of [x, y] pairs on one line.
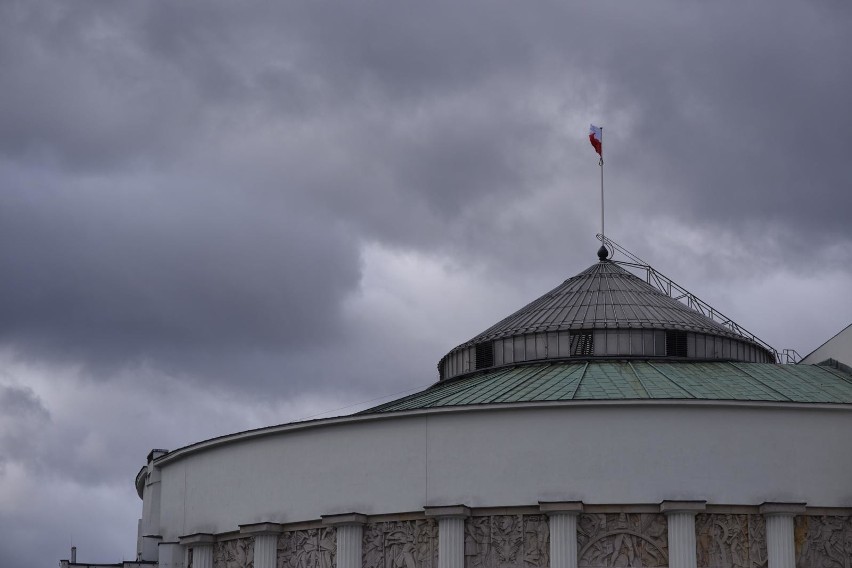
[[216, 216]]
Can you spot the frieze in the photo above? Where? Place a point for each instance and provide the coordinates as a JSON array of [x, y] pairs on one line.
[[309, 548], [823, 541], [236, 553], [730, 541], [757, 549], [506, 541], [401, 544], [622, 539]]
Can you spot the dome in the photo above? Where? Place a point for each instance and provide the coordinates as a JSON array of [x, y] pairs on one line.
[[604, 311]]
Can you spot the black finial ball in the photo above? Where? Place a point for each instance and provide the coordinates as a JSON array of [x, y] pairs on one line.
[[603, 253]]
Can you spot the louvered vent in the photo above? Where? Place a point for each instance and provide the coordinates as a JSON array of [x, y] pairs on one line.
[[485, 355], [676, 344], [582, 344]]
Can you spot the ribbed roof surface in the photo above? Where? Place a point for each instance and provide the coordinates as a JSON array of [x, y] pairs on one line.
[[602, 296], [622, 380]]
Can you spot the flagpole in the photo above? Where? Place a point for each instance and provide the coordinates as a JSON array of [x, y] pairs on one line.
[[600, 163]]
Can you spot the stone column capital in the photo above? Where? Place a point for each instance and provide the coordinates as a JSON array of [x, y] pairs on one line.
[[344, 519], [197, 539], [448, 511], [560, 507], [260, 529], [689, 507], [789, 509]]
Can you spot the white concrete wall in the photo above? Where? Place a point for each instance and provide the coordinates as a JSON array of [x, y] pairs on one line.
[[297, 476], [639, 453]]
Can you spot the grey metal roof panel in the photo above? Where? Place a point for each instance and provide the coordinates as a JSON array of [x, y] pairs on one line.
[[603, 296], [635, 380]]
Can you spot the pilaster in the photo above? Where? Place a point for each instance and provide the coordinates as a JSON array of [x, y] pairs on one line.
[[563, 531], [170, 555], [450, 534], [149, 548], [780, 544], [680, 518], [265, 543], [199, 550], [350, 533]]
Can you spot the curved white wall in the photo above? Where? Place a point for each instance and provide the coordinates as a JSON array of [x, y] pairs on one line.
[[598, 453]]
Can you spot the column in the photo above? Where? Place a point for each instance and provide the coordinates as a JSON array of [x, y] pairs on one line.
[[450, 534], [563, 531], [265, 543], [680, 518], [199, 550], [350, 533], [171, 555], [780, 544], [150, 546]]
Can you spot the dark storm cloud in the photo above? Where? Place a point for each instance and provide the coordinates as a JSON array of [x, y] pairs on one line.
[[205, 173], [101, 274], [110, 264], [743, 116]]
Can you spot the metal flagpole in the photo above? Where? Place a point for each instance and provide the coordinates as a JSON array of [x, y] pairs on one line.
[[600, 163]]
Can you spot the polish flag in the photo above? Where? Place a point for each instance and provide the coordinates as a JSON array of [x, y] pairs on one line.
[[595, 137]]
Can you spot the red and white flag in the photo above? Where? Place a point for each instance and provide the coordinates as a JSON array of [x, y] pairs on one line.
[[595, 137]]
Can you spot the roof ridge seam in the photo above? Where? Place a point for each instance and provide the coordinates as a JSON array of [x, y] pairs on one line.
[[474, 381], [531, 377], [635, 374], [500, 390], [580, 382], [569, 378], [611, 300], [736, 365], [672, 381]]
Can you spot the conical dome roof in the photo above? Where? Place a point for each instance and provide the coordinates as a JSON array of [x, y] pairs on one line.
[[603, 311]]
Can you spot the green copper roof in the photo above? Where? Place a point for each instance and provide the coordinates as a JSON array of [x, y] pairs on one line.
[[636, 380]]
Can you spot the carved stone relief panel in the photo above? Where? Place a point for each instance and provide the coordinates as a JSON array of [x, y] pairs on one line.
[[730, 541], [237, 553], [622, 539], [401, 544], [757, 550], [823, 542], [507, 541], [311, 548]]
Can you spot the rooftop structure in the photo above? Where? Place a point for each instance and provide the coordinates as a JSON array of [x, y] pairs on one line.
[[836, 352], [603, 312]]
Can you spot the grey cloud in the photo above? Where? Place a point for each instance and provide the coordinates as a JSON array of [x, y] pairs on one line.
[[109, 277], [22, 420], [403, 126], [741, 122]]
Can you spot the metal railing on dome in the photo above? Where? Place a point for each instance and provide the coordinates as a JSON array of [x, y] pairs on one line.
[[790, 356], [677, 292]]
